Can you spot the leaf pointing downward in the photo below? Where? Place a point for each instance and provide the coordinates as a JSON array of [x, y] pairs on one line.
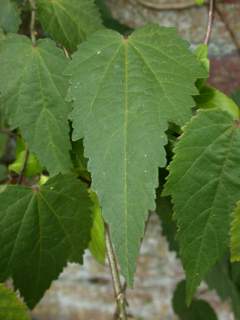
[[125, 91], [33, 92], [204, 182], [40, 230]]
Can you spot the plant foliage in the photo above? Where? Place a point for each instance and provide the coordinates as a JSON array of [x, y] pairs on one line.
[[91, 121]]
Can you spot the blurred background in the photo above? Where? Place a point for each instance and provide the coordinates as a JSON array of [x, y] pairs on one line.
[[85, 292]]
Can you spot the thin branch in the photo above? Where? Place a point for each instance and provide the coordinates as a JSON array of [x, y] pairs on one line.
[[8, 132], [168, 6], [33, 21], [210, 21], [228, 27], [67, 55], [119, 291], [24, 167]]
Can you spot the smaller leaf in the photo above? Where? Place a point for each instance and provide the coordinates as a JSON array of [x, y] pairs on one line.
[[9, 16], [235, 234], [198, 310], [200, 2], [203, 175], [201, 53], [79, 161], [11, 308], [210, 98], [33, 167], [220, 279], [69, 21], [41, 229], [33, 92], [97, 243]]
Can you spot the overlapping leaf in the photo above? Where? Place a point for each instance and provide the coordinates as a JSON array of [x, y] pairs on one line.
[[235, 234], [198, 310], [33, 92], [204, 182], [69, 21], [125, 90], [40, 230], [11, 308], [221, 279], [97, 244], [9, 16]]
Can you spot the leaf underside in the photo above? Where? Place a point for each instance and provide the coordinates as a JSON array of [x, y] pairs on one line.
[[235, 234], [124, 92], [40, 230], [69, 22], [32, 94], [204, 182]]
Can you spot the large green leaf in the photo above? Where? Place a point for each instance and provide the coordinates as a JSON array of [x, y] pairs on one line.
[[33, 91], [9, 16], [40, 229], [204, 182], [235, 234], [125, 90], [198, 310], [69, 21], [11, 308]]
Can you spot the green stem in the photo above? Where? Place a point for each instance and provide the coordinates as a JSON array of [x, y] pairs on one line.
[[33, 20]]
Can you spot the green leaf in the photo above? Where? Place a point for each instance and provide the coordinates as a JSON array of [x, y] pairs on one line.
[[97, 243], [212, 98], [69, 22], [33, 166], [204, 182], [33, 92], [9, 16], [235, 273], [200, 2], [198, 310], [220, 279], [11, 308], [164, 210], [235, 234], [125, 91], [41, 229], [169, 230], [79, 160], [3, 142], [236, 97], [201, 53]]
